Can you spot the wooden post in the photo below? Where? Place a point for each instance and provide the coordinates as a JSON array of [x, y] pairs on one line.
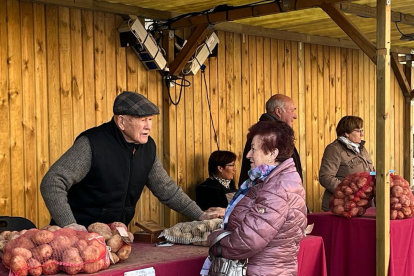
[[169, 125], [383, 137], [408, 127]]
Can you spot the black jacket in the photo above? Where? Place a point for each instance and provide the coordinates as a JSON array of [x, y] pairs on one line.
[[246, 162], [119, 172], [212, 193]]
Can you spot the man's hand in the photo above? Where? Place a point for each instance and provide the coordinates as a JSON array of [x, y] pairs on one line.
[[77, 227], [212, 213]]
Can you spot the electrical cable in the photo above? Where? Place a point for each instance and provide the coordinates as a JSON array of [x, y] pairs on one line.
[[184, 83], [209, 108], [404, 35]]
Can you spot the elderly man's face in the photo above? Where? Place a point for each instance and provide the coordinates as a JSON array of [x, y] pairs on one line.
[[289, 114], [135, 130]]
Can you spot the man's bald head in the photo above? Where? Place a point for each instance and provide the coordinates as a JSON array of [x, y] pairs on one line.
[[282, 107]]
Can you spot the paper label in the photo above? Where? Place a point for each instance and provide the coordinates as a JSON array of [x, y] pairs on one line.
[[150, 271], [124, 235]]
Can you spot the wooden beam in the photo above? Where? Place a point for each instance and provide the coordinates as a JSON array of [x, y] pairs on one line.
[[371, 12], [383, 154], [284, 35], [236, 13], [169, 129], [351, 30], [189, 48], [108, 7], [408, 125], [400, 75]]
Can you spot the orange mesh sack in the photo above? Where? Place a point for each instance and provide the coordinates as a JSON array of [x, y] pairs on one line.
[[402, 199], [44, 252], [353, 195]]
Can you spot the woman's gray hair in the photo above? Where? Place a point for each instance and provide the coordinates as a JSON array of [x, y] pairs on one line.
[[276, 101]]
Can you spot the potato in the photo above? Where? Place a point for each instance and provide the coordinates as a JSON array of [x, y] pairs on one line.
[[396, 206], [348, 191], [102, 229], [101, 246], [35, 267], [25, 253], [339, 209], [394, 199], [362, 202], [354, 212], [7, 258], [2, 244], [115, 243], [42, 252], [361, 211], [338, 201], [404, 200], [186, 236], [60, 243], [25, 242], [91, 253], [361, 182], [396, 191], [368, 189], [14, 235], [6, 234], [339, 194], [94, 236], [114, 225], [185, 228], [125, 250], [94, 266], [42, 237], [393, 214], [72, 260], [406, 211], [50, 267], [354, 187], [400, 215], [199, 230], [81, 244], [18, 266], [115, 258]]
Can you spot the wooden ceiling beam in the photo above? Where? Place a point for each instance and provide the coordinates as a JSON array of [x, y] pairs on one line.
[[189, 48], [108, 7], [236, 13], [400, 75], [352, 31], [371, 12]]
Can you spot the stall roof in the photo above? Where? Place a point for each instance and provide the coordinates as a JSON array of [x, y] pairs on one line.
[[312, 21]]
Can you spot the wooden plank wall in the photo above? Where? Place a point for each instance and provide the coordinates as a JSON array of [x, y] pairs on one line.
[[61, 68]]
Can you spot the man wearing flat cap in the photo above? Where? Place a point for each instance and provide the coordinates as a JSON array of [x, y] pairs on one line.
[[101, 177]]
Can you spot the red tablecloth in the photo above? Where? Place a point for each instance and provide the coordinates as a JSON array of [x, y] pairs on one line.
[[187, 260], [350, 244]]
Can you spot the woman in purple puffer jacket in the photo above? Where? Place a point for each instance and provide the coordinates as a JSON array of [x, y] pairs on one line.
[[267, 216]]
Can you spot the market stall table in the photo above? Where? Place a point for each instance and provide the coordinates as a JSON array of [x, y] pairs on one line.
[[350, 244], [187, 260]]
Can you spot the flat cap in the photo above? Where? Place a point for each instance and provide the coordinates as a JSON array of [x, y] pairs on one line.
[[134, 104]]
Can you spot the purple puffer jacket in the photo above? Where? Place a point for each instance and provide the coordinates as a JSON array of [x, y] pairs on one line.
[[268, 224]]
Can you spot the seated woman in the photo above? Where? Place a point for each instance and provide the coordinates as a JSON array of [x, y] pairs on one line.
[[344, 156], [219, 188], [267, 216]]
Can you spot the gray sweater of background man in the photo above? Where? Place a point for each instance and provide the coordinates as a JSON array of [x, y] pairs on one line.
[[75, 164]]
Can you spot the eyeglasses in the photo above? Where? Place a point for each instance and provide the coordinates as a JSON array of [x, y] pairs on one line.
[[360, 130], [230, 165]]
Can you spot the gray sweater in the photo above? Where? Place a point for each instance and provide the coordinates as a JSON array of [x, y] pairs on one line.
[[75, 164]]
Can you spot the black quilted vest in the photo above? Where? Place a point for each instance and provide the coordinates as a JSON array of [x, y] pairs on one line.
[[112, 187]]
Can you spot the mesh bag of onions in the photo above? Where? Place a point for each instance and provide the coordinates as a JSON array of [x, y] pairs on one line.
[[45, 252], [353, 195], [193, 232], [402, 199]]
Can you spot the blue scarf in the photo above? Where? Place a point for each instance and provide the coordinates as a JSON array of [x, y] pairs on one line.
[[256, 175]]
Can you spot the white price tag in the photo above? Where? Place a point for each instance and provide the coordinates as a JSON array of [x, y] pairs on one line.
[[124, 235], [150, 271]]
